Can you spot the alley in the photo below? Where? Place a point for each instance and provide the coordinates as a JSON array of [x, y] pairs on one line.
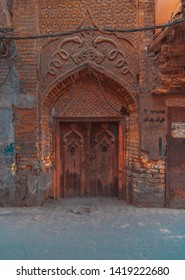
[[93, 228]]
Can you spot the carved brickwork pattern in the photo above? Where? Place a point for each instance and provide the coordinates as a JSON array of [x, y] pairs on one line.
[[87, 100], [118, 56], [57, 15]]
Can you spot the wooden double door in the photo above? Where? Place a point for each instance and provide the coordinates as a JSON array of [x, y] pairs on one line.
[[89, 159]]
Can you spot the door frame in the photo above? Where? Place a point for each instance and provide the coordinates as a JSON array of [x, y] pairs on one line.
[[121, 151]]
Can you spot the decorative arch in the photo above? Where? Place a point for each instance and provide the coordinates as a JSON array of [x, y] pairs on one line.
[[51, 123], [128, 93]]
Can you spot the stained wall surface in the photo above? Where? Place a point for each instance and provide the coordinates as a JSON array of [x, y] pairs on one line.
[[87, 77]]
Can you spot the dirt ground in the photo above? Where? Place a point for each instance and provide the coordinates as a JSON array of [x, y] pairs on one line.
[[91, 228]]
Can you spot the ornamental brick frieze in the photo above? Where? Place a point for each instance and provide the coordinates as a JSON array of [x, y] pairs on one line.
[[57, 15], [61, 56], [75, 102], [66, 97]]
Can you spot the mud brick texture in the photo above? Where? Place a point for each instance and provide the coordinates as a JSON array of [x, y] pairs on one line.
[[90, 79]]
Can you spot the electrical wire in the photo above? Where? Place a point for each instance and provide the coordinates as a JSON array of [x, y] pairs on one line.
[[7, 75], [110, 30], [147, 28]]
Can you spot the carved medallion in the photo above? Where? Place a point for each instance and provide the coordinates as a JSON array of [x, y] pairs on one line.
[[72, 148], [104, 146]]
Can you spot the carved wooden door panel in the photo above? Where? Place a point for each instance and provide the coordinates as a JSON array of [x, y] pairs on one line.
[[104, 159], [89, 156], [176, 158], [72, 156]]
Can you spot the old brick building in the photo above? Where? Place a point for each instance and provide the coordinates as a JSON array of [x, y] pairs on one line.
[[91, 112]]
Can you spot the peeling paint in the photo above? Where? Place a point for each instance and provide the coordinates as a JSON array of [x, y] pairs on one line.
[[9, 149], [178, 129]]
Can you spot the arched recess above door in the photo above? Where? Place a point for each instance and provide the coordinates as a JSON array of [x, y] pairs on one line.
[[94, 80]]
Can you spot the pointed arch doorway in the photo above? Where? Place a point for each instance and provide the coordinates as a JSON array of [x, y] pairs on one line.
[[90, 135]]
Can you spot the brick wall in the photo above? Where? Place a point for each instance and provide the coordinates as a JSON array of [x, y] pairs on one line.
[[46, 77], [26, 111]]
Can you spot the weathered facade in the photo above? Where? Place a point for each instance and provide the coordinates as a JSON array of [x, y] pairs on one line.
[[92, 112]]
